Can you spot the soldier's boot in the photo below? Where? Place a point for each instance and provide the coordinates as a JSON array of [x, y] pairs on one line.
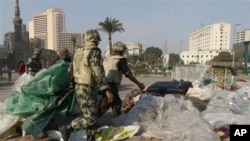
[[91, 132], [91, 138], [65, 131]]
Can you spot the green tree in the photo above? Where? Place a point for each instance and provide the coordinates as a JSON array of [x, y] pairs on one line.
[[152, 55], [174, 59], [223, 57], [111, 25]]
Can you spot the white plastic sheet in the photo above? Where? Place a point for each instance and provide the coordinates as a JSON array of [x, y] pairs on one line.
[[225, 119], [203, 93], [20, 81], [169, 118], [6, 120]]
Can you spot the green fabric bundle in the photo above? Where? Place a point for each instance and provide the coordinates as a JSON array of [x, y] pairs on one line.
[[47, 94]]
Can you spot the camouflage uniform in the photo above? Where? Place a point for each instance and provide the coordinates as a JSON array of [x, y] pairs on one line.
[[86, 93], [34, 64], [115, 66]]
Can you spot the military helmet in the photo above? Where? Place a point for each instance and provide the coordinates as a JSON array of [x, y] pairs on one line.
[[119, 47], [92, 35], [36, 51], [64, 51]]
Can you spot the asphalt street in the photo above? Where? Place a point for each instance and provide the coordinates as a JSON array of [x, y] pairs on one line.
[[126, 85]]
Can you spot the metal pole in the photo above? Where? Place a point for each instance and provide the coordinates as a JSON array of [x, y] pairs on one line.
[[180, 45], [234, 43], [199, 48], [246, 43], [180, 50]]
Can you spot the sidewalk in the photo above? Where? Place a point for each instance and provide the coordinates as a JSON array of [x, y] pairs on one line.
[[5, 85]]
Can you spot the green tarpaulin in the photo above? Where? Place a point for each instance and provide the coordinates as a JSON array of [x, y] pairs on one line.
[[47, 94]]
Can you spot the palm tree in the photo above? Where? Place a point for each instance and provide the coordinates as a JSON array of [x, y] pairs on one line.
[[111, 25]]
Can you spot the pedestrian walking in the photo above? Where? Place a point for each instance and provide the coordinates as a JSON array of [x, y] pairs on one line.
[[21, 68], [1, 73], [9, 73]]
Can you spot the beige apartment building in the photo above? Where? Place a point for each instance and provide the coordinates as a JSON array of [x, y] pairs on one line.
[[242, 36], [50, 28], [207, 42]]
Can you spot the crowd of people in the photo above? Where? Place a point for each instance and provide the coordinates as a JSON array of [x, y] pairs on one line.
[[90, 75]]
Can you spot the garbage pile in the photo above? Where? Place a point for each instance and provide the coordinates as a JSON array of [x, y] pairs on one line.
[[205, 113]]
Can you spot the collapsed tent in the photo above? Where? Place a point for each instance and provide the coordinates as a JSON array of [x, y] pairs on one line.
[[48, 94]]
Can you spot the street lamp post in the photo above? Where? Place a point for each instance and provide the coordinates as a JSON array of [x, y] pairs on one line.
[[180, 50], [198, 57], [234, 43], [181, 44], [246, 43]]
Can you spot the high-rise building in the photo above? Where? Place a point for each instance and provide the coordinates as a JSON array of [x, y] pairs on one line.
[[242, 36], [207, 42], [212, 37], [50, 28]]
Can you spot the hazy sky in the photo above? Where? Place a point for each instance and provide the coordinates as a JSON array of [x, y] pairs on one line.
[[150, 22]]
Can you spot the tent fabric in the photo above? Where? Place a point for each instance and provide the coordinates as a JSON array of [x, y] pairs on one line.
[[44, 96]]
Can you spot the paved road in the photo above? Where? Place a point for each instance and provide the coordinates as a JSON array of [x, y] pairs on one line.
[[127, 85], [5, 85]]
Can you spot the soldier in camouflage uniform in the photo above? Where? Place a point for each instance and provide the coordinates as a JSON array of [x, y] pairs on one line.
[[115, 66], [34, 64], [88, 75]]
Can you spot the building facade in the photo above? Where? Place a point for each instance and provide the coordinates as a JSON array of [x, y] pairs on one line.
[[207, 42], [242, 36], [50, 28]]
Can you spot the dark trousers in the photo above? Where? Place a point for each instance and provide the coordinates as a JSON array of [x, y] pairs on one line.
[[115, 105], [9, 76]]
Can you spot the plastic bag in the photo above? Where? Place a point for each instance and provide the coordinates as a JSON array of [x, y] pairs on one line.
[[24, 78], [6, 120], [57, 135], [78, 136], [107, 133], [117, 133]]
